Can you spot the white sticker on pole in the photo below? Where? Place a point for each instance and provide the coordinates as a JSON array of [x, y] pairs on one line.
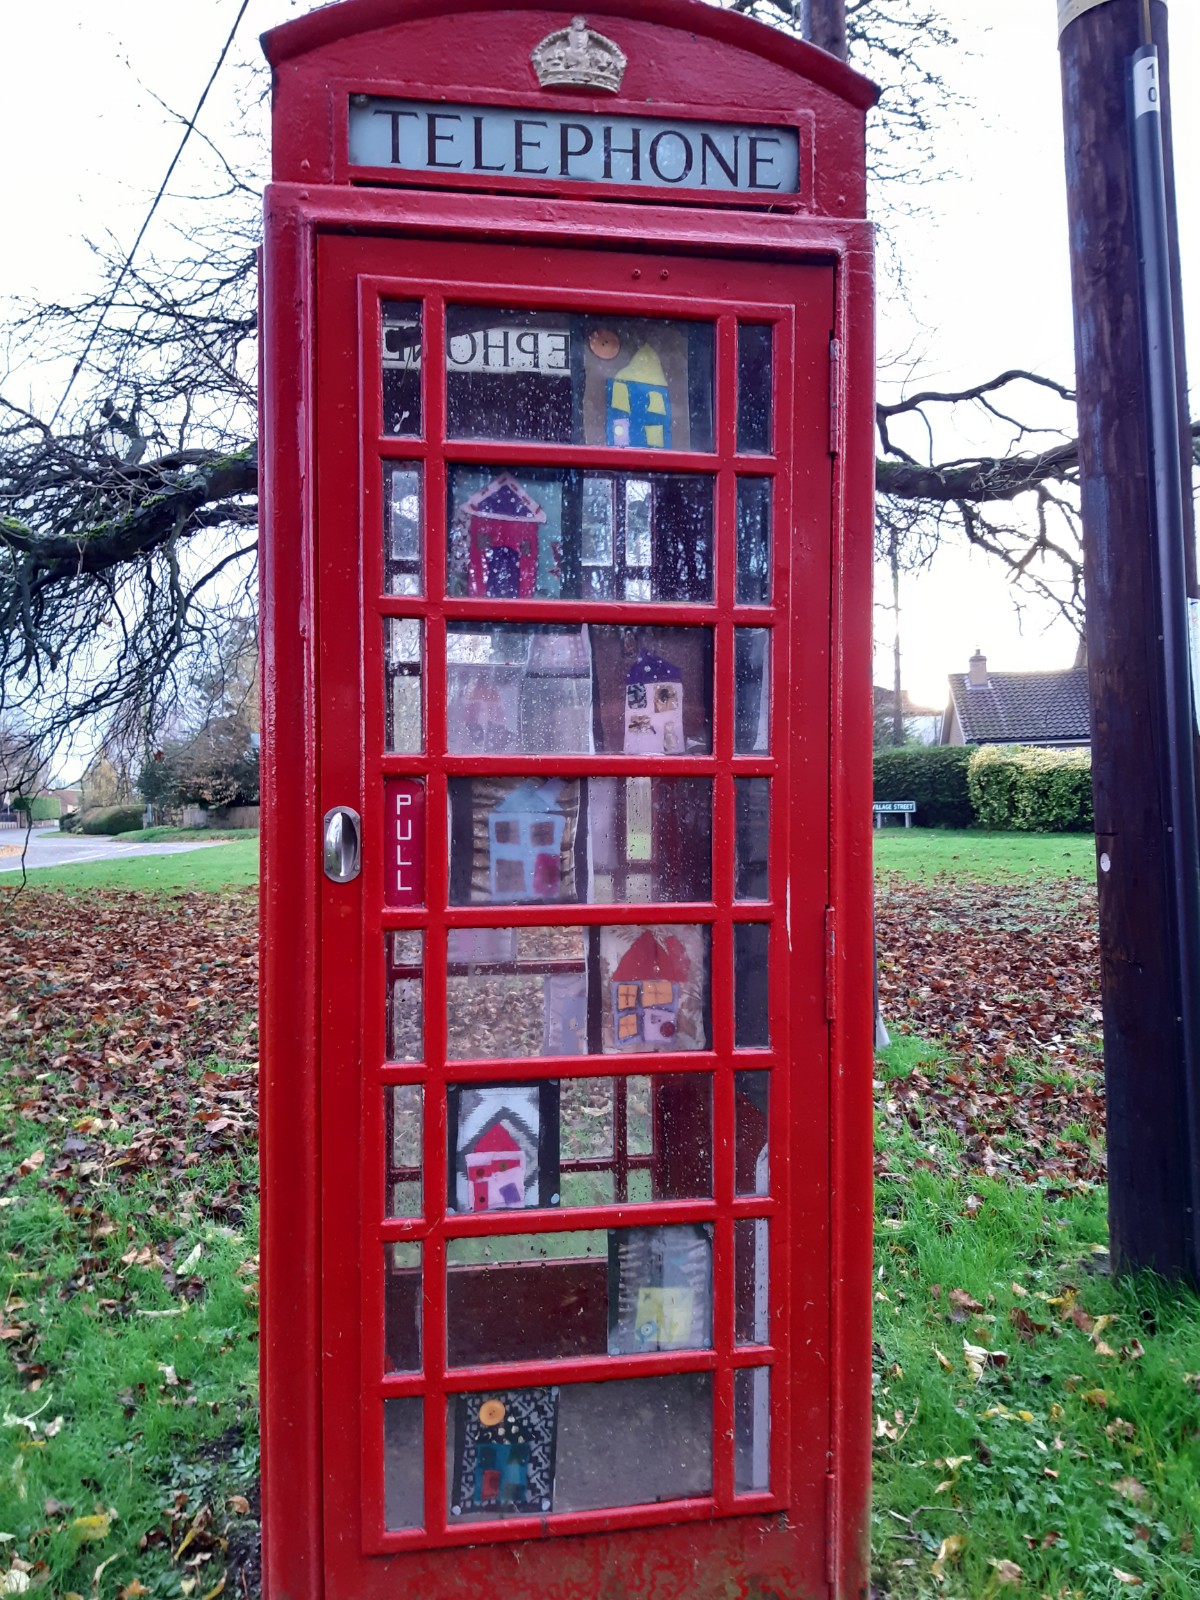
[[1194, 652], [1068, 10], [1145, 87]]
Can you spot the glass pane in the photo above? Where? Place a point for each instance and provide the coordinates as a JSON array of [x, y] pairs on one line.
[[580, 1141], [546, 533], [585, 840], [615, 989], [751, 1106], [526, 1297], [754, 541], [565, 378], [403, 1108], [403, 519], [750, 1024], [752, 691], [404, 732], [537, 1451], [543, 689], [402, 1306], [403, 1463], [754, 388], [752, 1429], [405, 996], [401, 367], [752, 802], [551, 1296], [751, 1307]]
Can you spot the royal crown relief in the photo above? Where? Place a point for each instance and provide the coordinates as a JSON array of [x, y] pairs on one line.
[[579, 58]]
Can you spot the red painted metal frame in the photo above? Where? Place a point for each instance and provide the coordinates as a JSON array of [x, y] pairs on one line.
[[311, 930]]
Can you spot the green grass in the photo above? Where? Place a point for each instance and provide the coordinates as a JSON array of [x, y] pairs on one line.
[[166, 835], [988, 857], [227, 866], [123, 1390], [1071, 1451]]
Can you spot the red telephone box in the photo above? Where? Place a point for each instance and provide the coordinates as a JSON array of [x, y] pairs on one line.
[[567, 385]]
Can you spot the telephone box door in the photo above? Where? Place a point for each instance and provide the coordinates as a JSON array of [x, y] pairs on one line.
[[573, 582]]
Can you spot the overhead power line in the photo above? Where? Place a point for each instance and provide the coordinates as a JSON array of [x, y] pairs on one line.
[[162, 189]]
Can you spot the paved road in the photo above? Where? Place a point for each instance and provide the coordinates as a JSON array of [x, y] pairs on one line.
[[50, 848]]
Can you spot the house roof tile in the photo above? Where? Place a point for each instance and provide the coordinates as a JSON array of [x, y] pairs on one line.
[[1023, 707]]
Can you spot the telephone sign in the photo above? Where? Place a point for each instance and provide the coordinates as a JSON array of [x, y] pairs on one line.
[[566, 1073]]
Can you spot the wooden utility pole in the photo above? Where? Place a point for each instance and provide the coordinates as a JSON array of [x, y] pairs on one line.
[[1138, 566], [825, 25]]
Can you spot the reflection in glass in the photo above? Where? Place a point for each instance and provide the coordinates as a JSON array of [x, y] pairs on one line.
[[405, 990], [586, 840], [549, 689], [546, 533], [402, 1114], [752, 1429], [752, 810], [754, 541], [563, 378], [752, 691], [402, 528], [751, 1123], [403, 1463], [522, 992], [751, 1307], [401, 367], [402, 1306], [755, 379], [561, 1442], [404, 731], [751, 942], [554, 1296]]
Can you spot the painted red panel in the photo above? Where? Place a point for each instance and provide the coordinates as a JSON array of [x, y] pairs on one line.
[[404, 843]]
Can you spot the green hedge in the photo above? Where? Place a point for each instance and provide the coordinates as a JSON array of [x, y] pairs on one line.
[[112, 819], [934, 775], [1032, 790]]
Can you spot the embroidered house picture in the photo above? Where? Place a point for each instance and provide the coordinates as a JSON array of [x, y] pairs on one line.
[[646, 990], [504, 526], [653, 707], [525, 837], [639, 403], [497, 1133]]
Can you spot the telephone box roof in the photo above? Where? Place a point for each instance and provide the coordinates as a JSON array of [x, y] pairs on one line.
[[331, 24]]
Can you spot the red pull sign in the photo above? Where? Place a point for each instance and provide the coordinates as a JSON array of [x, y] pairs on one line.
[[404, 851]]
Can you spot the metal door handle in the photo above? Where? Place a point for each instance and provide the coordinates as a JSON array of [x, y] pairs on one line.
[[342, 839]]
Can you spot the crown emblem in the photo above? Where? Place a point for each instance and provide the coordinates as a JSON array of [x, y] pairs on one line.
[[579, 58]]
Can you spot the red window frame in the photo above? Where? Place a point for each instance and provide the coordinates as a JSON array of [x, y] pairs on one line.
[[354, 278]]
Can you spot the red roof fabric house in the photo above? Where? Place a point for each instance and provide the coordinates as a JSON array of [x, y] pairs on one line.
[[646, 986]]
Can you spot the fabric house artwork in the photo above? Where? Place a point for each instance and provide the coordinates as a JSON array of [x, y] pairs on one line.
[[646, 988], [496, 1148], [504, 1451], [639, 403], [525, 835], [653, 707], [503, 529]]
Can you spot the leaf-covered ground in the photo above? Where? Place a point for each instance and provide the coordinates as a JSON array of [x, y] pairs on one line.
[[1024, 1444], [1006, 977], [128, 1245]]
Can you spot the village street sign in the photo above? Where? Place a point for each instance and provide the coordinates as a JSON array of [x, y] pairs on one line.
[[648, 152]]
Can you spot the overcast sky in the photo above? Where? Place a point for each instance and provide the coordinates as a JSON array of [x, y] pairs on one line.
[[86, 146]]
